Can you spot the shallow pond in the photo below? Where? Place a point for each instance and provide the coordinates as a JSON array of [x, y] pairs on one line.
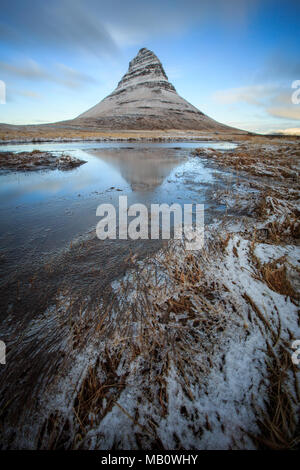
[[43, 211], [53, 267]]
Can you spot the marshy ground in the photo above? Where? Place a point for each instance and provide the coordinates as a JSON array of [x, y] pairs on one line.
[[37, 160], [183, 350]]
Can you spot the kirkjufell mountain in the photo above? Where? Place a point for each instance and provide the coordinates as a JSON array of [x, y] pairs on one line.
[[145, 99]]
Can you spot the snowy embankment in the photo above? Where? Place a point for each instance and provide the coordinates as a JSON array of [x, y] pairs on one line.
[[195, 353], [204, 343], [215, 321]]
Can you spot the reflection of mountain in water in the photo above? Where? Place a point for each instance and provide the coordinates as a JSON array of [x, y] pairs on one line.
[[143, 169]]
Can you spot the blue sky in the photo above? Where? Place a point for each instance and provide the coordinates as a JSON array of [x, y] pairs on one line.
[[233, 59]]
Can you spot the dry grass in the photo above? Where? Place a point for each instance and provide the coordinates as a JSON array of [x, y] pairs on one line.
[[193, 316], [150, 334], [145, 329], [154, 329], [66, 131], [279, 424], [139, 337], [50, 132], [260, 160], [275, 276]]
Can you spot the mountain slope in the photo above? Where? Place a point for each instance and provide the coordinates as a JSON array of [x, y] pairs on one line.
[[145, 99]]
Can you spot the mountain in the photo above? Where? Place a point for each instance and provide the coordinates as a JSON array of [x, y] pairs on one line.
[[145, 99]]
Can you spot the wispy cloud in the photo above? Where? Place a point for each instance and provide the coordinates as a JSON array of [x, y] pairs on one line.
[[73, 78], [13, 92], [60, 73], [290, 131], [291, 112], [28, 70], [280, 67], [253, 94], [101, 28], [29, 94], [274, 99], [67, 24]]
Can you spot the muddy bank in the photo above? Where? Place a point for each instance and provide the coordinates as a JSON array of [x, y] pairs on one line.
[[36, 160]]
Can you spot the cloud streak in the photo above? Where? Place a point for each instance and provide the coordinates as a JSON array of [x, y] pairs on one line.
[[32, 71], [292, 112], [290, 131], [67, 24], [274, 99], [101, 28], [28, 70], [253, 94], [280, 67]]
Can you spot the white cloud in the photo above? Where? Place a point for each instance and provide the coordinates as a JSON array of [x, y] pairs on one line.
[[29, 69], [274, 99], [286, 112], [290, 131], [61, 73], [101, 28], [254, 94]]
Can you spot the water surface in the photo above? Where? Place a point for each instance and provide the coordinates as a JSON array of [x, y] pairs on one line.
[[43, 211]]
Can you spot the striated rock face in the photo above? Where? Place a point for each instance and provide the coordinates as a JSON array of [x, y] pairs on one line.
[[144, 70], [145, 99]]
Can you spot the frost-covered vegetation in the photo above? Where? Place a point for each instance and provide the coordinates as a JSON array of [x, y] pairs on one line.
[[192, 349]]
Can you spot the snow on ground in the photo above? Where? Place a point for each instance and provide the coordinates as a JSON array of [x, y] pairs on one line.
[[185, 359], [187, 354], [225, 398]]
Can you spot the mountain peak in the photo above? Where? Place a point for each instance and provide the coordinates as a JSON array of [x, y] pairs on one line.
[[143, 68], [145, 99], [144, 50], [145, 54]]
